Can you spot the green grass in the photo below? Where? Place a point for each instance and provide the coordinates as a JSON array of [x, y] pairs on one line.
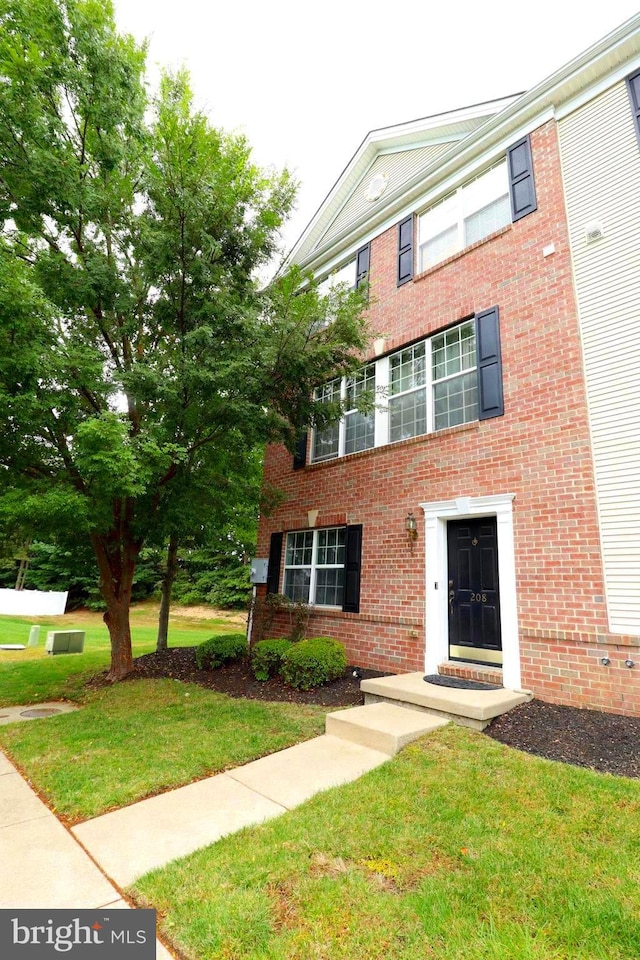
[[136, 739], [32, 676], [458, 848]]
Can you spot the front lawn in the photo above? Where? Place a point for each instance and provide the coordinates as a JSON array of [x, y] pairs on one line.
[[458, 849], [31, 676], [142, 737]]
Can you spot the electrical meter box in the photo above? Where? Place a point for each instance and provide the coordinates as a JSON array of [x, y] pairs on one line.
[[259, 568]]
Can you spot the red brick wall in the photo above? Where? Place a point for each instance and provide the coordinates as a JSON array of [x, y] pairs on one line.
[[539, 451]]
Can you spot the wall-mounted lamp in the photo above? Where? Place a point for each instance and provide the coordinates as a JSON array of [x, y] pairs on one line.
[[411, 526], [605, 661], [629, 663]]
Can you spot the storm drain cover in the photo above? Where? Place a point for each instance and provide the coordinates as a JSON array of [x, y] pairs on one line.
[[40, 712], [460, 683]]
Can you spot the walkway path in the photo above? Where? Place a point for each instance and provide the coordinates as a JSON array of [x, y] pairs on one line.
[[45, 865], [41, 864]]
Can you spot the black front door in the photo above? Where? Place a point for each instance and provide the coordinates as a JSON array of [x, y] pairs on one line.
[[473, 594]]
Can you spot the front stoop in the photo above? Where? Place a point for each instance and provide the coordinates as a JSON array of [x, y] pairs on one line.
[[381, 726], [471, 708]]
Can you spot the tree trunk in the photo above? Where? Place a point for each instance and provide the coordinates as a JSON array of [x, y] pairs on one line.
[[117, 621], [117, 554], [167, 587]]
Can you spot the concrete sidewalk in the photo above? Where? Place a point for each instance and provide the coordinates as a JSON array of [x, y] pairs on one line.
[[135, 839], [45, 865], [41, 864]]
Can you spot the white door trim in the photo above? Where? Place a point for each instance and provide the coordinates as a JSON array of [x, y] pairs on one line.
[[436, 516]]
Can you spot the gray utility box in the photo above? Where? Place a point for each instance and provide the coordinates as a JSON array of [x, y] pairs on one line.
[[65, 641], [259, 570]]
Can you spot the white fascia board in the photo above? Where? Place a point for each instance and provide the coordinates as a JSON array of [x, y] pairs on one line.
[[623, 71], [404, 136], [427, 191], [595, 69]]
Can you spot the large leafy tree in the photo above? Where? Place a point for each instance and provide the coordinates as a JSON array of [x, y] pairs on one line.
[[136, 347]]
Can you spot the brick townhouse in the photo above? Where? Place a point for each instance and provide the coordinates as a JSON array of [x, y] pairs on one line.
[[485, 518]]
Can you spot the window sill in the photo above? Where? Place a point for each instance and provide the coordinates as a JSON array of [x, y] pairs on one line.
[[421, 438], [462, 253]]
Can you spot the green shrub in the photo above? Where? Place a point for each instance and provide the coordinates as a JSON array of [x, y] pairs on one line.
[[266, 657], [221, 649], [310, 663]]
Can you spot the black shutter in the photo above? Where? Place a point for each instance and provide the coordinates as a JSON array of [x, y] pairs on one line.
[[522, 189], [490, 399], [300, 455], [405, 250], [633, 86], [353, 557], [275, 556], [362, 264]]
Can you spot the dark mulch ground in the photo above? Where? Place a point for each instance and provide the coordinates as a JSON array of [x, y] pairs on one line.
[[586, 738], [237, 680]]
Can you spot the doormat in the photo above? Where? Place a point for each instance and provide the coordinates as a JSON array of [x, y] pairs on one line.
[[459, 683]]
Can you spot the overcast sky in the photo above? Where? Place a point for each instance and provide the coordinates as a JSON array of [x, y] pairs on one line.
[[306, 82]]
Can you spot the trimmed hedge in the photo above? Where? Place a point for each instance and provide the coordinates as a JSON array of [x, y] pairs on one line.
[[266, 657], [310, 663], [220, 649]]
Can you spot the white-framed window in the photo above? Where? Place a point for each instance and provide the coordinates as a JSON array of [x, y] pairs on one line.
[[472, 212], [314, 566], [355, 431], [326, 442], [454, 376], [408, 392], [345, 275], [359, 426], [427, 386]]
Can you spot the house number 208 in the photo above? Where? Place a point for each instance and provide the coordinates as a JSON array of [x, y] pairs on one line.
[[480, 597]]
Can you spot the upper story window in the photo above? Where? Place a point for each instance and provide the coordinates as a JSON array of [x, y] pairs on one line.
[[356, 430], [352, 274], [326, 442], [469, 214], [359, 426], [344, 275], [451, 378], [407, 393], [454, 377]]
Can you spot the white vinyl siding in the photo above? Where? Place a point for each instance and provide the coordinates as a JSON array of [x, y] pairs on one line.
[[400, 167], [601, 169]]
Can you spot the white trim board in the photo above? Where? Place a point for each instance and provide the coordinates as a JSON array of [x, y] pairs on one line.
[[436, 515]]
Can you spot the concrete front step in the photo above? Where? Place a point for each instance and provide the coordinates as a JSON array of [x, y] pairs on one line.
[[471, 708], [381, 726]]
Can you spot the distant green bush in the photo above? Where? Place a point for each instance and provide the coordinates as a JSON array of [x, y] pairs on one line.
[[220, 649], [310, 663], [266, 657]]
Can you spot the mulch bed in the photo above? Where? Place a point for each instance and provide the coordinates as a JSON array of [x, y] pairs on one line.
[[237, 680], [587, 738]]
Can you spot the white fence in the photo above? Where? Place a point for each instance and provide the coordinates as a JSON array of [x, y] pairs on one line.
[[32, 603]]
